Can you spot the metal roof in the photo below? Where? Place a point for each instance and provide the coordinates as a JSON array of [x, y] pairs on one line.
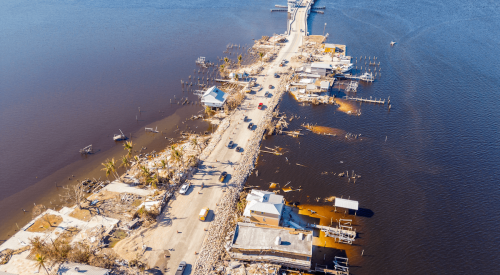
[[349, 204], [264, 201], [321, 65], [81, 269], [251, 237], [214, 96]]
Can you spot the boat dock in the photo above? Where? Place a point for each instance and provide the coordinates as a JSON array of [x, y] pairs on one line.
[[379, 101], [342, 233], [278, 10]]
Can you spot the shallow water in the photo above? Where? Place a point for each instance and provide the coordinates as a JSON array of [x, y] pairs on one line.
[[73, 73]]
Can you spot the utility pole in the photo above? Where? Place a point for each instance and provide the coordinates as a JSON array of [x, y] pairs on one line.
[[324, 29]]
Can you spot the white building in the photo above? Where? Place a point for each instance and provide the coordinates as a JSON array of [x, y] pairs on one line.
[[321, 68], [325, 85], [264, 207], [214, 98]]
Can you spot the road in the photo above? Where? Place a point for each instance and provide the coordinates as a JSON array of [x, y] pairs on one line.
[[179, 231]]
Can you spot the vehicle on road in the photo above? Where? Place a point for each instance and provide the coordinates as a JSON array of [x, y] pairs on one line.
[[238, 149], [260, 106], [223, 176], [230, 145], [266, 94], [180, 268], [276, 75], [245, 119], [270, 86], [203, 213], [250, 125], [185, 188]]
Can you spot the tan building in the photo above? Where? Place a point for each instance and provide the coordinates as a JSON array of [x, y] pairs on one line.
[[281, 245], [264, 207]]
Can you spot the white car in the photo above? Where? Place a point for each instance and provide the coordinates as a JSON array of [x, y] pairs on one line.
[[185, 188]]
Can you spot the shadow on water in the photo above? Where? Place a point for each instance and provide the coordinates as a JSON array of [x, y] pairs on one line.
[[362, 212], [324, 256]]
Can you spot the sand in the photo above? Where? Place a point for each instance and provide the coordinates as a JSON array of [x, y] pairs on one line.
[[42, 225], [346, 106]]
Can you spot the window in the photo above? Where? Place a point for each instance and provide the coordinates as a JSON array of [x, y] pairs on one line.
[[263, 219], [262, 212]]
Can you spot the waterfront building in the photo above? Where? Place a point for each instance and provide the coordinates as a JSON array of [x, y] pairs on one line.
[[264, 207], [280, 245], [214, 98]]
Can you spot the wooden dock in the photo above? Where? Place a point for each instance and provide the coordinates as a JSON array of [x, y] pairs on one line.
[[334, 231], [272, 10], [378, 101]]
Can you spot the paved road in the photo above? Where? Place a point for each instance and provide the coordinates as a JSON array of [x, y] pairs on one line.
[[179, 231]]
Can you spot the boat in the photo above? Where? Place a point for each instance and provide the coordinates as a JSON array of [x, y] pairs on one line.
[[151, 130], [87, 150], [368, 77], [118, 137], [392, 43], [346, 68]]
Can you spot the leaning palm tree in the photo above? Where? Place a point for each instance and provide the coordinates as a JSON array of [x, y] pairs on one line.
[[239, 60], [128, 146], [125, 162], [261, 54], [226, 60], [110, 167], [40, 262]]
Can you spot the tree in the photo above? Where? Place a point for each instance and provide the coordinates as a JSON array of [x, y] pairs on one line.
[[261, 54], [110, 167], [128, 146], [221, 69], [176, 155], [75, 194], [125, 162], [153, 181], [226, 60], [239, 60], [196, 144], [208, 111], [40, 262], [236, 77]]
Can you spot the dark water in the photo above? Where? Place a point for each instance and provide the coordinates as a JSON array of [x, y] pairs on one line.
[[74, 72], [431, 192]]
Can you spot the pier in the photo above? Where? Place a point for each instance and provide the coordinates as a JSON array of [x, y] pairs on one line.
[[378, 101], [272, 10]]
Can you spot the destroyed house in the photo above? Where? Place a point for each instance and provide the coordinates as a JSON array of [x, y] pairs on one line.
[[283, 246], [264, 207], [321, 68]]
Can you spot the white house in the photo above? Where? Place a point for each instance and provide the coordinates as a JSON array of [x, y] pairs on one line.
[[325, 85], [264, 207], [241, 76], [321, 68], [214, 98]]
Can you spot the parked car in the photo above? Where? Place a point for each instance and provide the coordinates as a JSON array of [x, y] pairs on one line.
[[238, 149], [270, 86], [250, 125], [223, 176], [245, 119], [260, 106], [203, 213], [180, 268], [230, 145], [276, 75], [266, 94], [185, 188]]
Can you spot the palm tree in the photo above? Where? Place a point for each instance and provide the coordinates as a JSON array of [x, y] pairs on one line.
[[195, 143], [110, 167], [261, 54], [208, 110], [125, 162], [40, 262], [236, 77], [153, 180], [176, 156], [239, 60], [226, 60], [164, 163], [128, 146], [221, 69]]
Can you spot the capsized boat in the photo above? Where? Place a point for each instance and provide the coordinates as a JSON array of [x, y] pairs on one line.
[[118, 137]]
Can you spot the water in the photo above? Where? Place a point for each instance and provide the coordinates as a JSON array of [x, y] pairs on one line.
[[429, 194], [73, 73]]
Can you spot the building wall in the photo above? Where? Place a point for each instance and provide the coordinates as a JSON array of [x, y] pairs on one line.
[[266, 218]]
